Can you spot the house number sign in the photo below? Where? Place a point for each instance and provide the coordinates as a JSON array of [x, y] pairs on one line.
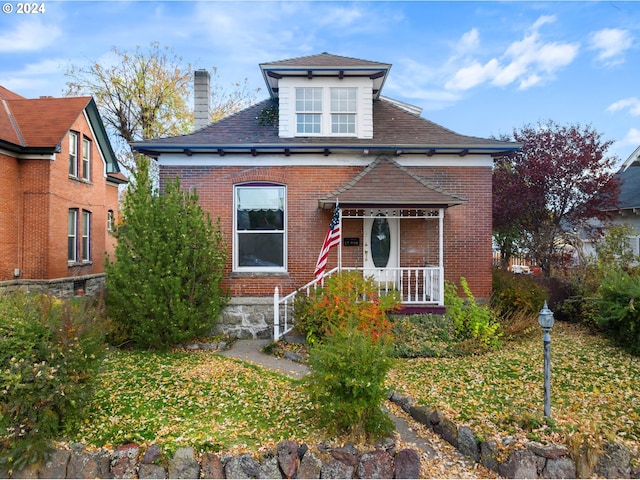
[[351, 242]]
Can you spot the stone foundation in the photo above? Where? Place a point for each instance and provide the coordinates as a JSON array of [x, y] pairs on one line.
[[247, 317], [58, 287]]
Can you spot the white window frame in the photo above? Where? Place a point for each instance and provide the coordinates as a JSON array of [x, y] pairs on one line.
[[342, 109], [86, 236], [308, 105], [72, 235], [110, 220], [73, 153], [86, 158], [238, 232]]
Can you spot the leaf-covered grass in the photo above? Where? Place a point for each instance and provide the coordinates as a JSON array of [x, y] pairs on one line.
[[200, 399], [594, 389], [215, 403]]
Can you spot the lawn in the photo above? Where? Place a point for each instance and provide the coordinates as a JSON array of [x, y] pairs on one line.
[[595, 389], [195, 399], [220, 404]]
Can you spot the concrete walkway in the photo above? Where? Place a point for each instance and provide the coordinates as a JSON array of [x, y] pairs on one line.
[[251, 351]]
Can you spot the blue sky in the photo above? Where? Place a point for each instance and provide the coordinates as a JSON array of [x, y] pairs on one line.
[[478, 68]]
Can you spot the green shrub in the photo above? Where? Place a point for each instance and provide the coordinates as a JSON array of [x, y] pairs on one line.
[[618, 314], [49, 354], [344, 296], [165, 286], [347, 381], [470, 320], [516, 292]]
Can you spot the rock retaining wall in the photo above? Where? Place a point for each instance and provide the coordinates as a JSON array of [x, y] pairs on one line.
[[288, 460], [611, 460]]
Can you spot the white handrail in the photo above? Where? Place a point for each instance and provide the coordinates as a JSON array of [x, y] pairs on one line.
[[416, 286]]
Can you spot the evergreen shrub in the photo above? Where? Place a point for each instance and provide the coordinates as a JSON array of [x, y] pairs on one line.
[[618, 314], [165, 285]]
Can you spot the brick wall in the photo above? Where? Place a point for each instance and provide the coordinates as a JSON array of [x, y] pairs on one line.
[[467, 228], [36, 196], [10, 213]]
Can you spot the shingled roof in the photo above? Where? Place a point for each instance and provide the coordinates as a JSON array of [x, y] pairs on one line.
[[39, 125], [394, 129], [385, 182], [324, 65]]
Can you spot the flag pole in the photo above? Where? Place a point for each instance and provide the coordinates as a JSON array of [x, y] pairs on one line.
[[340, 244]]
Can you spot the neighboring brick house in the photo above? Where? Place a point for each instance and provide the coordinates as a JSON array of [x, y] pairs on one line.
[[59, 184], [414, 197]]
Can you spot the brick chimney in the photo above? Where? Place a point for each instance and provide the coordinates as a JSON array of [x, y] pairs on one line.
[[201, 97]]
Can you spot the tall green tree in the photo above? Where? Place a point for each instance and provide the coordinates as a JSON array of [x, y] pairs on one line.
[[550, 190], [147, 94], [165, 286]]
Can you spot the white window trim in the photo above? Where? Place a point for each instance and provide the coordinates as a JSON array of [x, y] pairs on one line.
[[326, 114], [235, 246], [73, 153], [86, 236], [73, 235], [86, 159]]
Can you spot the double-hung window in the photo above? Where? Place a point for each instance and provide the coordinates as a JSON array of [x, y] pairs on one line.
[[308, 110], [86, 158], [343, 110], [86, 236], [72, 235], [73, 154], [260, 227]]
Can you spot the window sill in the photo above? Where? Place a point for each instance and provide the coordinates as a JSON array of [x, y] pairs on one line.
[[246, 274], [79, 264], [80, 180]]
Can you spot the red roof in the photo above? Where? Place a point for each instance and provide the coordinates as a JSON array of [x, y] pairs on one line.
[[40, 122]]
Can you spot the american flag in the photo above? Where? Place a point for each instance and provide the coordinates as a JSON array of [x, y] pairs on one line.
[[331, 239]]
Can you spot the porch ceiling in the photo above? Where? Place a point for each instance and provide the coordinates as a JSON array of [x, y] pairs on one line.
[[385, 183]]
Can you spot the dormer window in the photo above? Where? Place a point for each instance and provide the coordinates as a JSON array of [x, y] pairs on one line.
[[326, 111], [308, 110], [343, 110]]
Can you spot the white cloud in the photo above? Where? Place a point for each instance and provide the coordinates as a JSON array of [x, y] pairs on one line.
[[611, 45], [631, 103], [469, 41], [632, 137], [473, 75], [29, 35], [528, 62]]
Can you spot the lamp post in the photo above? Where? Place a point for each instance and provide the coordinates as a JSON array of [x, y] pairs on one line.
[[545, 319]]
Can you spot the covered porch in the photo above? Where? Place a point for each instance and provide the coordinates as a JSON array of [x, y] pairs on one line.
[[392, 230]]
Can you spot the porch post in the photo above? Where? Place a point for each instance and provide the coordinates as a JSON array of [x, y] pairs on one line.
[[441, 254]]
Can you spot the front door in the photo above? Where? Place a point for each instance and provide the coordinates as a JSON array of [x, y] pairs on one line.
[[381, 248]]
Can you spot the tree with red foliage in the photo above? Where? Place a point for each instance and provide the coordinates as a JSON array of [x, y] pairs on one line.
[[552, 188]]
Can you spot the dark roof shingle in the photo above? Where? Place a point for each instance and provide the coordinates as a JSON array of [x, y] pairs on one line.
[[392, 126]]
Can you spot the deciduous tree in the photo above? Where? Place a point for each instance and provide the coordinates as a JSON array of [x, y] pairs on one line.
[[553, 187], [146, 94]]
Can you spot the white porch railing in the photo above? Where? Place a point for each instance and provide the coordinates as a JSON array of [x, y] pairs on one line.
[[416, 285]]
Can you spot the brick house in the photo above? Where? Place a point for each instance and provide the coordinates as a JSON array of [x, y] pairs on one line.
[[414, 197], [59, 181]]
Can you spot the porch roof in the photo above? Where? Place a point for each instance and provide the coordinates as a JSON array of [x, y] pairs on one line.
[[385, 183]]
